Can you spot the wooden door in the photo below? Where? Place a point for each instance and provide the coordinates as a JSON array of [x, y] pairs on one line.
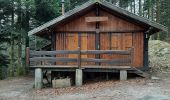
[[66, 41], [87, 42], [104, 45], [116, 44], [72, 44], [121, 41], [115, 41], [127, 41], [71, 41]]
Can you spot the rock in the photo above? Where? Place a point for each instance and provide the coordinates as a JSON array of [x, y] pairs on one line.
[[159, 56], [155, 97], [61, 83], [155, 78], [150, 84]]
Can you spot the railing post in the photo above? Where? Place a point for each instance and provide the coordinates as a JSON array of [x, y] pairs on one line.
[[27, 56], [79, 58], [132, 56], [79, 71]]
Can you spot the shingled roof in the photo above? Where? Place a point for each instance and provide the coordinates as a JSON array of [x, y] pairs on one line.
[[155, 27]]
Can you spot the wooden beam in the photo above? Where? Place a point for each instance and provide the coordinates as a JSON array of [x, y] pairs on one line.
[[111, 62], [37, 53], [120, 52], [53, 59], [54, 66], [83, 66], [97, 35], [94, 32], [96, 19], [79, 60], [43, 53], [109, 67], [53, 40]]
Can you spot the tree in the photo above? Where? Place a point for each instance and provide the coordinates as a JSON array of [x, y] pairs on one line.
[[5, 30], [140, 7], [46, 10], [4, 37]]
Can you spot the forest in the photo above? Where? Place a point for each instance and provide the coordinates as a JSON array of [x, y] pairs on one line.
[[17, 17]]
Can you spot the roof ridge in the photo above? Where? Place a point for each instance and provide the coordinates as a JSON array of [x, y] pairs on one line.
[[104, 3]]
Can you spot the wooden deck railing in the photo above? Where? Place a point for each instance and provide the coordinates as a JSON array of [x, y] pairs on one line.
[[49, 58]]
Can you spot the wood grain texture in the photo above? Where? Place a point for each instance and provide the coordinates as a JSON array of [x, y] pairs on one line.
[[96, 19], [78, 24], [68, 38], [119, 41], [113, 23]]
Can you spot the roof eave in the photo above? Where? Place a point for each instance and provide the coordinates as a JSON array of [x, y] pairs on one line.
[[119, 10], [60, 18], [133, 16]]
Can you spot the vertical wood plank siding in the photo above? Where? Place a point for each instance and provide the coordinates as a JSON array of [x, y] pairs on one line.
[[67, 37]]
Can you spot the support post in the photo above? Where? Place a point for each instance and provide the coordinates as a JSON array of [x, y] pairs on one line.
[[146, 57], [79, 58], [97, 40], [123, 75], [27, 58], [38, 78], [79, 77]]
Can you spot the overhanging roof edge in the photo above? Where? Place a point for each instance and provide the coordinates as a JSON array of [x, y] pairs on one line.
[[103, 3]]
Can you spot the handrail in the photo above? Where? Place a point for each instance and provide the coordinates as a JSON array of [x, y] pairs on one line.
[[83, 52], [49, 56]]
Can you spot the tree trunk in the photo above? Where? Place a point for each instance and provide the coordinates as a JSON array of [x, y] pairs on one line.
[[20, 65], [134, 7], [26, 28], [131, 6], [158, 16], [12, 41], [140, 8]]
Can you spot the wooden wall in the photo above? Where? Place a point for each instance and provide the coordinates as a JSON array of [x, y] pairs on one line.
[[69, 41], [113, 24], [67, 37], [78, 24], [116, 24]]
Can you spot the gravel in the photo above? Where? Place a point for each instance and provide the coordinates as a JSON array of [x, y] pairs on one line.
[[133, 89]]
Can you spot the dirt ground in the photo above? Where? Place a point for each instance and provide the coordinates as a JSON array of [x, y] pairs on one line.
[[157, 88]]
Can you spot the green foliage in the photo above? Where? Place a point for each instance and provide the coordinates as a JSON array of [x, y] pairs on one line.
[[165, 17], [3, 57], [46, 10], [20, 70], [124, 3], [148, 4], [3, 65]]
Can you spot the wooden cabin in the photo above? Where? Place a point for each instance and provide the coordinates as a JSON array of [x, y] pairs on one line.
[[96, 36]]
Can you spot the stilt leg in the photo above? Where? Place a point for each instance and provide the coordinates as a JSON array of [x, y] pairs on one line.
[[38, 78], [79, 77], [123, 75]]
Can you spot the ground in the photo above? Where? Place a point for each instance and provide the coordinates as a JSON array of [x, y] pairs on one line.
[[157, 88]]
